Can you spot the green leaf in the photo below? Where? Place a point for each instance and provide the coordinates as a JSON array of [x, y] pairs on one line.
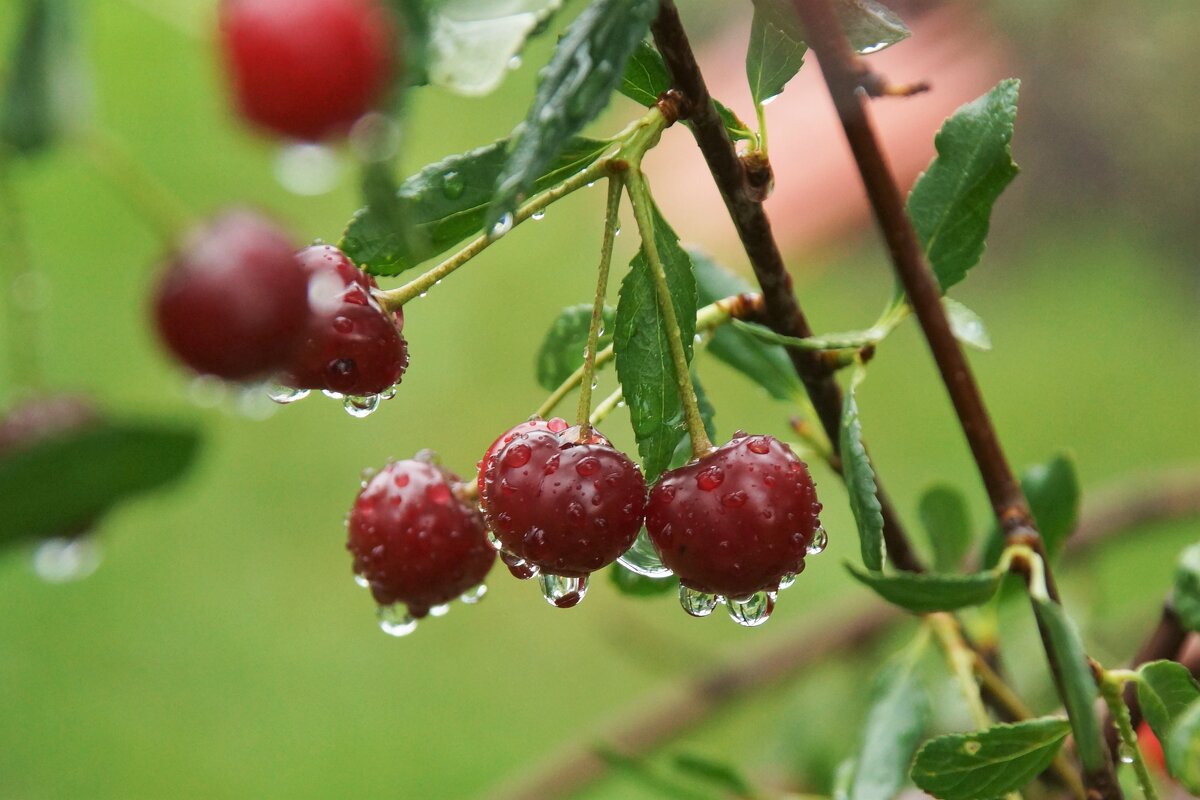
[[646, 78], [443, 204], [630, 583], [989, 763], [1182, 749], [643, 353], [718, 774], [860, 480], [943, 514], [472, 42], [1187, 588], [574, 88], [562, 349], [772, 59], [765, 364], [951, 203], [1165, 689], [924, 592], [1054, 496], [966, 325], [895, 724], [1078, 683], [46, 89], [65, 482], [870, 26]]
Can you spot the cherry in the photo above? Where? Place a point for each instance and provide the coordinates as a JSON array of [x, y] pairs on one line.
[[560, 505], [414, 541], [350, 345], [308, 68], [736, 521], [233, 299], [554, 425]]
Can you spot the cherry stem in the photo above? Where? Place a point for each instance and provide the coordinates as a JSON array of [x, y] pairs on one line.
[[148, 196], [1111, 686], [21, 313], [611, 222], [639, 198]]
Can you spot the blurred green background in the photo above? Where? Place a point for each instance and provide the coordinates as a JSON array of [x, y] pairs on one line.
[[222, 650]]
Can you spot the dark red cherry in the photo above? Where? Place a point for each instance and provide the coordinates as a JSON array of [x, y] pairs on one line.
[[737, 520], [554, 425], [414, 541], [233, 300], [308, 69]]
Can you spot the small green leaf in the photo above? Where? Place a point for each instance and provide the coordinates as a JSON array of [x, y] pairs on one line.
[[1078, 683], [1187, 588], [46, 89], [646, 78], [574, 88], [860, 480], [1054, 496], [67, 481], [562, 349], [631, 583], [989, 763], [472, 42], [1165, 690], [966, 325], [1182, 749], [925, 592], [765, 364], [951, 203], [643, 354], [870, 26], [943, 514], [443, 204], [720, 775], [895, 724], [772, 59]]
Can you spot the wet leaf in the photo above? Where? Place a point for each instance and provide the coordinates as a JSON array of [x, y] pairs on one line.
[[896, 722], [562, 349], [718, 774], [472, 42], [926, 592], [943, 514], [860, 480], [574, 88], [870, 26], [988, 763], [1079, 685], [643, 354], [772, 59], [1165, 689], [1182, 749], [966, 325], [1187, 588]]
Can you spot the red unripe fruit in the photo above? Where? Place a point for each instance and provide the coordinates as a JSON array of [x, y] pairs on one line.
[[308, 69], [414, 541], [737, 520], [566, 506], [233, 299]]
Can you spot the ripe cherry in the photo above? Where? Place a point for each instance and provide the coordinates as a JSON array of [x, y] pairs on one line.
[[554, 425], [736, 523], [559, 505], [415, 543], [234, 298], [350, 345], [308, 68]]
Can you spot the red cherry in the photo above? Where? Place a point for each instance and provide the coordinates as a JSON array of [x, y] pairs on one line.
[[414, 541], [1151, 748], [554, 425], [308, 68], [564, 506], [736, 521], [234, 299]]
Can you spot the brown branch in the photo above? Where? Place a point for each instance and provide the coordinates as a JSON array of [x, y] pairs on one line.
[[783, 312], [844, 76], [685, 704]]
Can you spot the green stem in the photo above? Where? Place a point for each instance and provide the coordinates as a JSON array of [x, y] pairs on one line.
[[760, 111], [615, 184], [1111, 685], [22, 316], [146, 194], [639, 198], [961, 661], [393, 299]]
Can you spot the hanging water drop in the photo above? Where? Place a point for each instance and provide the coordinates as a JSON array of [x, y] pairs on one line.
[[285, 394], [439, 611], [643, 559], [514, 62], [361, 582], [563, 592], [492, 539], [453, 185], [502, 226], [473, 596], [360, 406], [538, 215], [752, 611], [389, 392], [819, 541], [1125, 754], [332, 395], [695, 602], [787, 580], [62, 560], [521, 569], [394, 620]]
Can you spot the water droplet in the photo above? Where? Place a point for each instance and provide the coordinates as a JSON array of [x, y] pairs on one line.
[[62, 560], [643, 559], [453, 185], [864, 51], [521, 569], [502, 226], [617, 231], [514, 62], [517, 456], [591, 184], [563, 592], [1125, 754], [285, 394], [787, 581], [494, 541], [695, 602], [473, 596], [332, 395], [734, 499], [439, 611], [538, 215], [360, 406], [394, 620], [710, 478], [389, 392], [361, 582], [752, 611], [819, 541], [308, 169], [588, 466], [760, 445]]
